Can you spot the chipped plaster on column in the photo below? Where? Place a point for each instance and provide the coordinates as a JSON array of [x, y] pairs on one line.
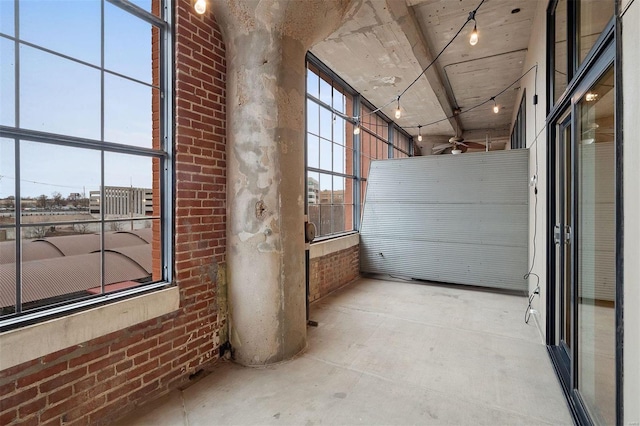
[[266, 42]]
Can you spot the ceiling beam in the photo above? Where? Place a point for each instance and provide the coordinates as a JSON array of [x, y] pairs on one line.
[[406, 19]]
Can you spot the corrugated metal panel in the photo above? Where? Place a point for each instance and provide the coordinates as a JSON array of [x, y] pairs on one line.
[[458, 219]]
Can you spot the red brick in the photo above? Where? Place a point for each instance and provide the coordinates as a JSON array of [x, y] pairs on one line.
[[88, 357], [32, 407], [8, 418], [60, 395], [17, 399], [42, 374], [63, 379], [99, 365], [7, 388], [84, 384]]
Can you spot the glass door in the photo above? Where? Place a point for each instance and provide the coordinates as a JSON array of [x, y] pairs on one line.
[[596, 249], [584, 236]]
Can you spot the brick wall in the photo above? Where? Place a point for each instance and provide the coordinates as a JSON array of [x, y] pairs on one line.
[[332, 271], [102, 379]]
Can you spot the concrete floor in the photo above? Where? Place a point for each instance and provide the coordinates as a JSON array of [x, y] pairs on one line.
[[392, 353]]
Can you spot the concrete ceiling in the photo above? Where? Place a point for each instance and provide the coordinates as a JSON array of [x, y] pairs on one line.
[[387, 43]]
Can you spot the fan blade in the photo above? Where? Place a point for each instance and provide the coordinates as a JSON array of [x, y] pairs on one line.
[[462, 144], [439, 151], [476, 145], [441, 146]]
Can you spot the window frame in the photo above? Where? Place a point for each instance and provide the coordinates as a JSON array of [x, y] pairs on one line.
[[164, 155], [361, 107]]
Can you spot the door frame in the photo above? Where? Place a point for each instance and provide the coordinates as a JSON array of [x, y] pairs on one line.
[[567, 370]]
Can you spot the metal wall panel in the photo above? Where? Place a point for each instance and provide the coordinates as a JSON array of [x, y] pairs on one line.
[[461, 219]]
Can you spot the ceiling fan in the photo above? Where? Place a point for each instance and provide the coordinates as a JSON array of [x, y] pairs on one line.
[[456, 145]]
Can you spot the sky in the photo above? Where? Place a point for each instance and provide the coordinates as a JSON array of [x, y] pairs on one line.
[[61, 96]]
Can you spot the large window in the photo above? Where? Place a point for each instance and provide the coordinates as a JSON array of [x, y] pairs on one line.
[[574, 29], [338, 161], [84, 156], [330, 172]]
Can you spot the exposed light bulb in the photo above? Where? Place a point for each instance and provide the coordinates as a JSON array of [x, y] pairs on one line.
[[200, 6], [456, 151], [419, 138], [398, 111], [496, 109], [356, 129], [419, 134], [473, 40]]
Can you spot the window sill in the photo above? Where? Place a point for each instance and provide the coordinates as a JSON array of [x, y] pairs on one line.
[[43, 338], [325, 247]]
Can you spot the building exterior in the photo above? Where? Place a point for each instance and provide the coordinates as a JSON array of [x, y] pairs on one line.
[[220, 135], [122, 201]]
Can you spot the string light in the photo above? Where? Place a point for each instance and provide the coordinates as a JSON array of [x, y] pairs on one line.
[[419, 134], [200, 6], [398, 112]]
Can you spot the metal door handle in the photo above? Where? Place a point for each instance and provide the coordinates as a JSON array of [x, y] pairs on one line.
[[567, 234]]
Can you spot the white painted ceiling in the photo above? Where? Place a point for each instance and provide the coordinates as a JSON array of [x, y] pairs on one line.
[[386, 44]]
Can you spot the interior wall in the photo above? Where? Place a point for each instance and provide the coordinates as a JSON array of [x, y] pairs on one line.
[[333, 264], [104, 377], [631, 188], [535, 126]]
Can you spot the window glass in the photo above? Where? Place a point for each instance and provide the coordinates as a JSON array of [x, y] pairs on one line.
[[325, 92], [47, 187], [561, 64], [596, 250], [313, 151], [7, 22], [127, 44], [339, 129], [7, 185], [68, 27], [338, 158], [62, 97], [147, 6], [65, 177], [313, 84], [7, 270], [313, 117], [7, 82], [58, 265], [326, 123], [338, 101], [332, 150], [129, 122], [326, 155], [593, 17]]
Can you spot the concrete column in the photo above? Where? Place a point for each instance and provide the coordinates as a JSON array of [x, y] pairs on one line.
[[266, 42]]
